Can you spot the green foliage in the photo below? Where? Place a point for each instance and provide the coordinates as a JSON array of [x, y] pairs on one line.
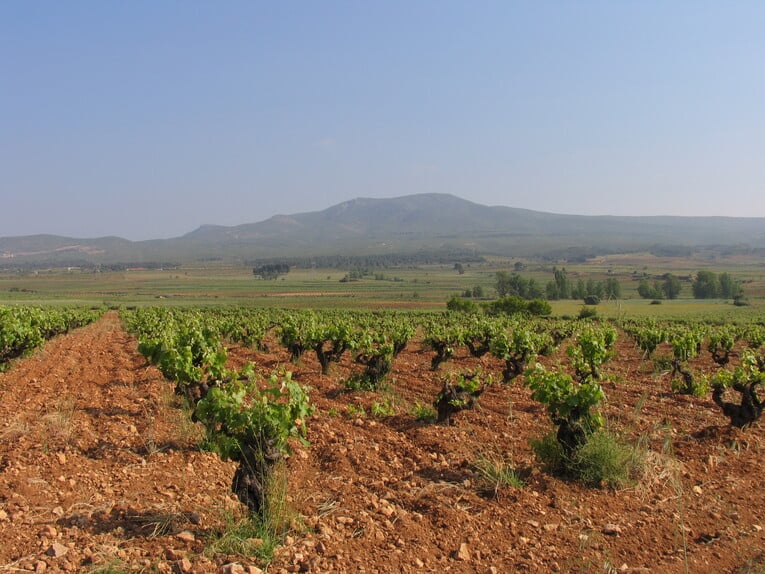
[[695, 386], [442, 336], [730, 288], [515, 285], [602, 461], [459, 393], [461, 305], [538, 308], [23, 329], [706, 285], [509, 305], [514, 305], [745, 379], [605, 461], [588, 312], [650, 291], [496, 472], [751, 370], [423, 413], [240, 415], [271, 271], [649, 337], [376, 346], [246, 535], [355, 411], [550, 453], [382, 409], [560, 286], [671, 287], [686, 344], [720, 344], [516, 348], [592, 347], [565, 399]]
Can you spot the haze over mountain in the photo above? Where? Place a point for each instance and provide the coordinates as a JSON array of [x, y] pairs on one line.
[[404, 225]]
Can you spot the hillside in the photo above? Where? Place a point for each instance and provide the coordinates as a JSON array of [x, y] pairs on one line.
[[408, 224]]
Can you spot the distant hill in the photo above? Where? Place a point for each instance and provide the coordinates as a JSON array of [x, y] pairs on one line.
[[423, 223]]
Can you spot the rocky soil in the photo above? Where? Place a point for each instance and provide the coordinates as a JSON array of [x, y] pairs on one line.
[[99, 472]]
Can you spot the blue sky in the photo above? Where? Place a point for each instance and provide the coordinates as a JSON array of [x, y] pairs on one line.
[[145, 119]]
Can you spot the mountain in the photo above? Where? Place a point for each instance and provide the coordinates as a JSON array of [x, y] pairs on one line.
[[408, 224]]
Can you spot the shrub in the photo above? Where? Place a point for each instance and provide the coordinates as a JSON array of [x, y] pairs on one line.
[[496, 472], [588, 313], [550, 452], [382, 409], [423, 413], [604, 461], [461, 305]]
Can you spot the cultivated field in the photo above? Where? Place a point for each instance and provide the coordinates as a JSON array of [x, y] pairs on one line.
[[100, 468]]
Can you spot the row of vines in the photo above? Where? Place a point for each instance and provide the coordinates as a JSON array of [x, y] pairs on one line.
[[250, 418], [23, 329]]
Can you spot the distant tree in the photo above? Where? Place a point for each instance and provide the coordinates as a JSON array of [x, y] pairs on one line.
[[671, 286], [559, 287], [595, 288], [477, 292], [579, 291], [271, 270], [729, 287], [514, 284], [649, 291], [460, 305], [519, 266], [706, 285], [562, 283], [513, 304], [612, 289], [458, 267]]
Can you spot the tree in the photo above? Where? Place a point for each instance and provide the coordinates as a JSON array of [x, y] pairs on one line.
[[561, 283], [706, 285], [612, 289], [559, 287], [517, 286], [671, 286], [271, 270], [459, 268], [648, 291], [729, 287]]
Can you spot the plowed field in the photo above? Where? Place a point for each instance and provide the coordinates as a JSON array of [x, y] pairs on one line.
[[98, 468]]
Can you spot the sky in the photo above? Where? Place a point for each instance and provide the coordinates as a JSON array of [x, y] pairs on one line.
[[145, 119]]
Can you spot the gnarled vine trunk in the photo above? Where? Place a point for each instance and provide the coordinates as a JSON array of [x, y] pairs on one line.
[[747, 411]]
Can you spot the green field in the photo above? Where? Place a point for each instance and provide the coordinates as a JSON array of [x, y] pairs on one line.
[[425, 287]]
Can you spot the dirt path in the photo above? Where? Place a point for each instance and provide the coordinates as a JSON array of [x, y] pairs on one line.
[[88, 471], [97, 467]]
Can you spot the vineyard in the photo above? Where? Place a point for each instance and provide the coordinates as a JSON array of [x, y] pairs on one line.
[[228, 439]]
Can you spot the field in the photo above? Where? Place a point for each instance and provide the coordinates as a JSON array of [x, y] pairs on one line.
[[101, 470], [416, 287]]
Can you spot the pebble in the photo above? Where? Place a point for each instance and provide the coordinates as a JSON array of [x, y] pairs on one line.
[[186, 536], [56, 550], [462, 553]]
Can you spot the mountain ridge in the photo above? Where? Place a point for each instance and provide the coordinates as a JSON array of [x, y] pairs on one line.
[[432, 221]]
